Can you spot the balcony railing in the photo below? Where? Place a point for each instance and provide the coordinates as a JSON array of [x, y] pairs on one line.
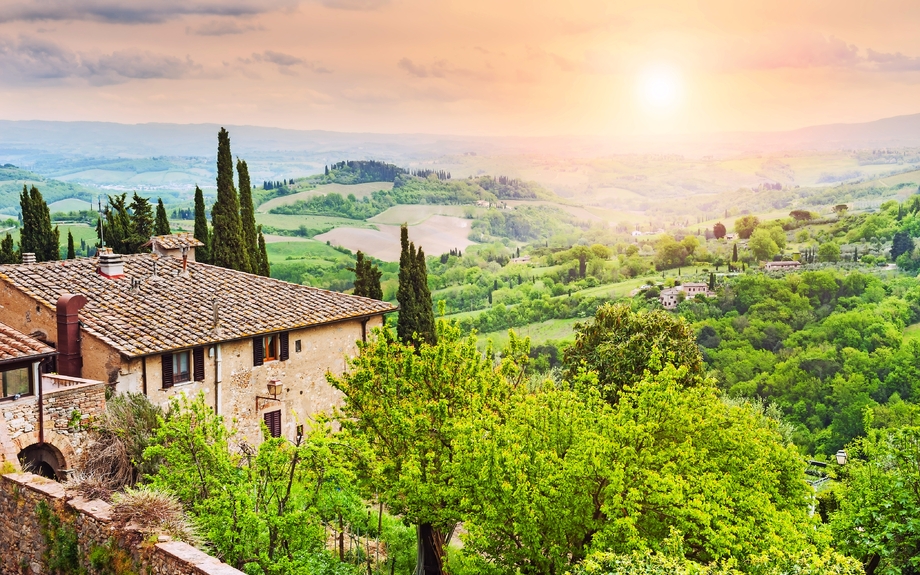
[[52, 383]]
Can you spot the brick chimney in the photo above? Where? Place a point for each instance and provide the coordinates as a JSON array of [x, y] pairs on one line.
[[110, 265], [28, 258], [70, 359]]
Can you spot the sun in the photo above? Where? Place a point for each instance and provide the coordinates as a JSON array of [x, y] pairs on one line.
[[659, 88]]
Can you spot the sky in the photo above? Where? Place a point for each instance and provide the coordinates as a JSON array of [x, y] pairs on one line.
[[471, 67]]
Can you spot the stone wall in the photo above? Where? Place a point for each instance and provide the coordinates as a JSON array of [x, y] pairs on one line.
[[67, 410], [113, 548]]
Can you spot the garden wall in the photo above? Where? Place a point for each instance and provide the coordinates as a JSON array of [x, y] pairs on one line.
[[43, 529]]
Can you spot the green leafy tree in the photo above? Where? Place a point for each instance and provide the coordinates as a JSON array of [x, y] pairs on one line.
[[618, 344], [829, 252], [718, 230], [745, 225], [901, 243], [762, 245], [115, 226], [248, 218], [405, 408], [161, 227], [202, 234], [880, 501], [71, 250], [227, 246]]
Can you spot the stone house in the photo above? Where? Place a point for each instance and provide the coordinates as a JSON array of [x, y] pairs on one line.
[[782, 266], [256, 347], [43, 414], [670, 297], [178, 245]]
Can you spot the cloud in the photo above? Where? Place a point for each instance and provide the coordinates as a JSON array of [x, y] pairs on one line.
[[357, 5], [135, 11], [222, 28], [287, 61], [413, 69], [892, 62], [788, 50], [35, 59]]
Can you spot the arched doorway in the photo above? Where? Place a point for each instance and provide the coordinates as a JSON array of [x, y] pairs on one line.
[[42, 459]]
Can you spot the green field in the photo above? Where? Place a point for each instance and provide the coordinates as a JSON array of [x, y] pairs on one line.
[[70, 205], [414, 214], [912, 331], [549, 330], [358, 190], [286, 222], [310, 250]]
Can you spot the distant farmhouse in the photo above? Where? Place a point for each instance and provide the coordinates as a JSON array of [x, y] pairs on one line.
[[670, 297], [161, 325], [782, 266]]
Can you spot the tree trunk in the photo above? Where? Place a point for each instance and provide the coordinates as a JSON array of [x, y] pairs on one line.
[[430, 556]]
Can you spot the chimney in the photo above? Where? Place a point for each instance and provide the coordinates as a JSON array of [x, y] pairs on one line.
[[28, 258], [70, 360], [110, 265]]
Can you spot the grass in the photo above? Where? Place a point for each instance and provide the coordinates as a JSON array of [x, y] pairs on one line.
[[912, 331], [414, 214], [69, 205], [549, 330], [285, 222], [312, 251], [359, 191]]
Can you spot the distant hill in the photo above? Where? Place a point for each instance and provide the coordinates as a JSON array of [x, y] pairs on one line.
[[13, 178]]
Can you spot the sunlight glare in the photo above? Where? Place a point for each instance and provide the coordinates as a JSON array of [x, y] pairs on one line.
[[659, 88]]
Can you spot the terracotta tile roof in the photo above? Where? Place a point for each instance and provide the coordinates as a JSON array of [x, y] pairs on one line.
[[174, 311], [15, 345], [175, 241]]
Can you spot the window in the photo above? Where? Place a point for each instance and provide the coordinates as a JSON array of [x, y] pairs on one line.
[[270, 347], [17, 381], [297, 346], [181, 371], [273, 422]]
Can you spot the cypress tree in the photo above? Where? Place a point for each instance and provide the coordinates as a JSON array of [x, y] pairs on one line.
[[264, 265], [37, 235], [8, 253], [71, 251], [141, 223], [367, 278], [203, 253], [407, 323], [227, 248], [424, 308], [735, 252], [712, 281], [248, 218], [161, 227]]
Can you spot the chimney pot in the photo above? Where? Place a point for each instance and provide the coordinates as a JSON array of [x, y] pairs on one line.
[[111, 265], [28, 258]]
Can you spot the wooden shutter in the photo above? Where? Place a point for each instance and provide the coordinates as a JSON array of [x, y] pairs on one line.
[[285, 352], [258, 351], [273, 422], [167, 370], [198, 364]]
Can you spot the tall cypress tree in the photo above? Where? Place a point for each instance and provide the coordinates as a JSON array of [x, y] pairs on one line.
[[227, 248], [161, 226], [141, 223], [248, 218], [735, 253], [424, 308], [71, 251], [264, 266], [406, 324], [367, 278], [37, 236], [203, 253]]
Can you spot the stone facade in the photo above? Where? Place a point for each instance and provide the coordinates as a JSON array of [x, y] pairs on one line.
[[23, 544], [69, 404]]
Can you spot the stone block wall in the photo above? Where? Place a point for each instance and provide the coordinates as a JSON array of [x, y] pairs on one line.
[[24, 498]]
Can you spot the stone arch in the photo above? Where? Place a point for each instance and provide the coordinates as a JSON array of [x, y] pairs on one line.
[[56, 451]]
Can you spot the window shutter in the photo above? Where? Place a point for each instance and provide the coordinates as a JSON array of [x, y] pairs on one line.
[[198, 361], [273, 422], [167, 370], [285, 352], [258, 351]]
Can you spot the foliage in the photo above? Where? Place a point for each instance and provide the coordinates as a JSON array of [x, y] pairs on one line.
[[161, 225], [367, 278], [71, 250], [202, 233], [880, 501], [745, 225], [153, 511], [829, 252], [407, 407], [249, 235], [416, 313], [62, 553], [762, 244], [36, 235], [619, 344]]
